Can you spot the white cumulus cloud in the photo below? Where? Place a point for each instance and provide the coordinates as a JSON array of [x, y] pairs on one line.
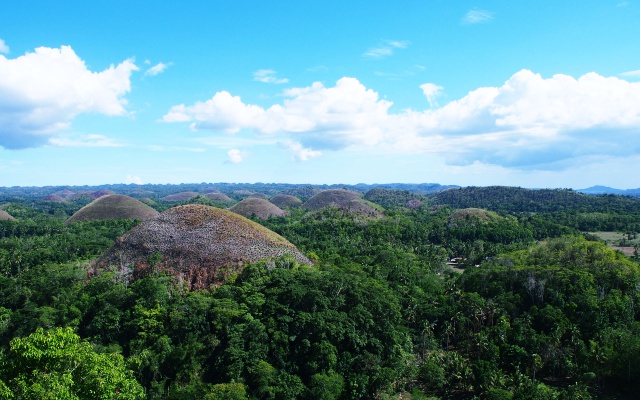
[[528, 122], [3, 47], [41, 93], [268, 76], [301, 153], [235, 156]]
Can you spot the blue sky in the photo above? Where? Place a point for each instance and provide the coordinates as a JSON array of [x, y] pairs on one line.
[[531, 94]]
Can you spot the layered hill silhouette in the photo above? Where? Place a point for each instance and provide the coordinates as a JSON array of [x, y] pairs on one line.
[[182, 196], [202, 245], [114, 206], [261, 208], [390, 198]]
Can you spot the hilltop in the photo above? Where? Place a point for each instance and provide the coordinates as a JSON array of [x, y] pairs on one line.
[[202, 245], [346, 200], [286, 201], [335, 197], [114, 206], [261, 208], [5, 215]]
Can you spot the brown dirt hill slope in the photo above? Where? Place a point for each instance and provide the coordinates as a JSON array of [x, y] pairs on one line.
[[4, 216], [261, 208], [286, 200], [202, 245], [54, 198], [114, 206], [473, 213]]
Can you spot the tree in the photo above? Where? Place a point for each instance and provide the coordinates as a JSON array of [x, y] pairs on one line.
[[56, 364]]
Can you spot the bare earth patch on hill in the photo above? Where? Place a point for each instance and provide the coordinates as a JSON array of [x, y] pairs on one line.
[[202, 245], [4, 216]]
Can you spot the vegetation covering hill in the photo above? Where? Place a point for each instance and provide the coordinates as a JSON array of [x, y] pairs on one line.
[[4, 215], [390, 198], [261, 208], [512, 199], [286, 201], [534, 310], [182, 196], [201, 245], [114, 206], [54, 198]]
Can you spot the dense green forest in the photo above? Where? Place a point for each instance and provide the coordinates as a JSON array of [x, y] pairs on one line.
[[485, 293]]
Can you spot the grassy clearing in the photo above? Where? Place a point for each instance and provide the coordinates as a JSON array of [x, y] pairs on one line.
[[624, 242]]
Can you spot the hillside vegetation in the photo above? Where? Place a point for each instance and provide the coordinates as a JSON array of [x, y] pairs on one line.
[[476, 293]]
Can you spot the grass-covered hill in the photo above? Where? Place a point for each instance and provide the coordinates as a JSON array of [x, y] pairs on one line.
[[220, 197], [390, 198], [114, 206], [478, 214], [200, 244], [182, 196], [4, 215], [286, 201], [335, 197], [261, 208], [346, 200]]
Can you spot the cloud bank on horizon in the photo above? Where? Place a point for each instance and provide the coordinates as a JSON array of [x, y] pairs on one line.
[[528, 122]]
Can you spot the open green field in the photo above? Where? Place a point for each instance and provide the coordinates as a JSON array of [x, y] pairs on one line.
[[624, 242]]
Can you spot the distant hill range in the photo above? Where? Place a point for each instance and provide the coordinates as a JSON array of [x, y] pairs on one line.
[[171, 193], [608, 190], [515, 199]]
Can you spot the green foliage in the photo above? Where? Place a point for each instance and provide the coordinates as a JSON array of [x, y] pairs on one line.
[[56, 364]]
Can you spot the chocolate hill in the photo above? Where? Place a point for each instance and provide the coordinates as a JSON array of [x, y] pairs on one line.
[[221, 197], [4, 216], [261, 208], [335, 197], [114, 206], [200, 244], [286, 201], [345, 200]]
